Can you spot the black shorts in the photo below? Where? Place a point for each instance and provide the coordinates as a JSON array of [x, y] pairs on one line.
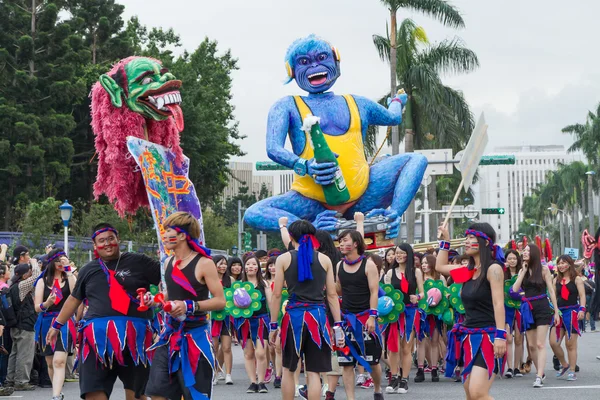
[[542, 313], [172, 386], [47, 351], [94, 377], [315, 359], [480, 362], [372, 354]]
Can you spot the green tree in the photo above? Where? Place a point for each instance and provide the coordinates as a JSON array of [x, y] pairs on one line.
[[210, 125], [436, 115], [587, 137], [218, 234], [38, 88]]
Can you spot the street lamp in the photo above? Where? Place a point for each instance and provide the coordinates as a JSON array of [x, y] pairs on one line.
[[66, 212], [554, 210], [234, 250]]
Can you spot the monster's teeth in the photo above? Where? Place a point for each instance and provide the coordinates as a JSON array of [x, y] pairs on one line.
[[152, 100], [160, 102]]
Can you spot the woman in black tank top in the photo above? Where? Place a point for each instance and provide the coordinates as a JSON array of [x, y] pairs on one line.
[[482, 295], [253, 332], [51, 291], [536, 315], [571, 299], [221, 331], [405, 277]]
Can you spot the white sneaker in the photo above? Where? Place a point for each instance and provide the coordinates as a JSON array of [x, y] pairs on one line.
[[221, 376], [215, 381], [297, 393], [538, 382], [228, 380], [360, 379], [324, 390]]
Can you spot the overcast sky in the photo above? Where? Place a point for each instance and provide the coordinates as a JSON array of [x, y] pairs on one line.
[[538, 73]]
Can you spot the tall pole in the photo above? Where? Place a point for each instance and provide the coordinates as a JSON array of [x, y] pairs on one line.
[[240, 225], [561, 224], [66, 224], [425, 226], [590, 202]]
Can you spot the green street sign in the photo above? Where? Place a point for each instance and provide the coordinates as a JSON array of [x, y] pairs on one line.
[[492, 211], [497, 160], [270, 166]]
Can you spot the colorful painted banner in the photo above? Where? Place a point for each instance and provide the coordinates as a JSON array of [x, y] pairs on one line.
[[168, 187]]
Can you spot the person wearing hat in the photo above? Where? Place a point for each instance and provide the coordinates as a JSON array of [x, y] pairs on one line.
[[21, 290]]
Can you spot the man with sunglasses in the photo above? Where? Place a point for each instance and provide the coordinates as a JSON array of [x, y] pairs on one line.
[[114, 335]]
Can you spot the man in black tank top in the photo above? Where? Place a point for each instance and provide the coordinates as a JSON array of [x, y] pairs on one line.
[[178, 371], [306, 273], [110, 283], [358, 284]]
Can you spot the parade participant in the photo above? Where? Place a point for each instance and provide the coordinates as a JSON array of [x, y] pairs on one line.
[[221, 331], [433, 327], [514, 336], [305, 331], [183, 360], [399, 335], [110, 283], [358, 284], [480, 341], [234, 269], [388, 261], [21, 291], [253, 332], [572, 305], [536, 314], [274, 352], [51, 292]]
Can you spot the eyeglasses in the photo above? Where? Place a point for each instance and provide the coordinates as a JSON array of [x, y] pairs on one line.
[[104, 241]]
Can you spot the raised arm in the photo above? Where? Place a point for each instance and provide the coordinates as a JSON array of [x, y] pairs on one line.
[[378, 114], [359, 218], [285, 235], [442, 264]]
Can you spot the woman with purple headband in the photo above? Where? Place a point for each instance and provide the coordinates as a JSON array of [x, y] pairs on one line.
[[536, 315], [51, 291], [480, 341]]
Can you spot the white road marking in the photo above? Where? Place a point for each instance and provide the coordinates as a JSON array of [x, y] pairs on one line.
[[574, 387]]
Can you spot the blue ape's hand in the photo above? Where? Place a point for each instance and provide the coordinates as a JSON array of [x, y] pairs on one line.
[[393, 224], [326, 220], [322, 173]]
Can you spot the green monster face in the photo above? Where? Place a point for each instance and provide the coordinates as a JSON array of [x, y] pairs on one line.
[[147, 88]]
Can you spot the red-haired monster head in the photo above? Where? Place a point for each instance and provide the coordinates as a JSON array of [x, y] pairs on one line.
[[137, 97]]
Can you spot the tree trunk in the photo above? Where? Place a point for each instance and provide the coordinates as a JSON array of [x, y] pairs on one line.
[[433, 205], [33, 15], [409, 148], [95, 38], [575, 225], [393, 83]]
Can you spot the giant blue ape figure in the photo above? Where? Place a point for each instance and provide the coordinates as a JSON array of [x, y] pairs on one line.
[[386, 188]]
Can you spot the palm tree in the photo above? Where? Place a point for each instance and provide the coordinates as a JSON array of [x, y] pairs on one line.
[[439, 9], [436, 115], [587, 137]]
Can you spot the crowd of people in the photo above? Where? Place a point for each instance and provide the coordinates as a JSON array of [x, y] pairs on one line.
[[319, 314]]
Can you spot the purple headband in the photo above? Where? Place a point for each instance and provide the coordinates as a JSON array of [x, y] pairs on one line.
[[55, 256], [497, 252], [193, 243], [99, 231]]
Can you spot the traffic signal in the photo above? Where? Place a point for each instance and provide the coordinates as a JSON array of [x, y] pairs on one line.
[[492, 211]]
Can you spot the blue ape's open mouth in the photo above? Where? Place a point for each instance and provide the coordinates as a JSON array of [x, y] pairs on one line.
[[318, 78]]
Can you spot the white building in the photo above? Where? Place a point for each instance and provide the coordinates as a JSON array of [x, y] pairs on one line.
[[505, 186], [242, 174]]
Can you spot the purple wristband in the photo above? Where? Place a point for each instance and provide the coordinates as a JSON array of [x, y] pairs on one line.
[[57, 325], [43, 307], [273, 326], [339, 323], [444, 245]]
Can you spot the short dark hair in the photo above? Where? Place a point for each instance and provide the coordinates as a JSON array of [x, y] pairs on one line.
[[260, 253], [356, 238], [299, 228]]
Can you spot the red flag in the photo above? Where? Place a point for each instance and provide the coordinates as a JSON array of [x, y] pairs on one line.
[[57, 291]]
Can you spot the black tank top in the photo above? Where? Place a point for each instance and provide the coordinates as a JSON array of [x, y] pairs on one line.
[[479, 307], [176, 292], [356, 295], [573, 294], [532, 289], [412, 288], [66, 291], [308, 291], [263, 301]]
